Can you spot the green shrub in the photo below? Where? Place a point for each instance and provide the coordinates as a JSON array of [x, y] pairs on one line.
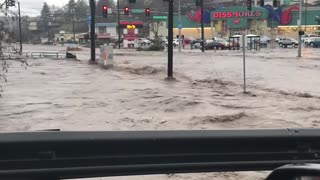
[[155, 48]]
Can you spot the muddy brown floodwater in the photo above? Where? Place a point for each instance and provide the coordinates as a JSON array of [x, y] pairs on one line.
[[72, 95]]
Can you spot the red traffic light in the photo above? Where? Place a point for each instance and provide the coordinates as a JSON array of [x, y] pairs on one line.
[[105, 11], [148, 11], [126, 11]]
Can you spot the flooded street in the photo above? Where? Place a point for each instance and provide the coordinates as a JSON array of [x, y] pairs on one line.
[[73, 95]]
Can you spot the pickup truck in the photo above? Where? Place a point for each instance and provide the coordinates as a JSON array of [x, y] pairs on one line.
[[315, 42], [288, 42]]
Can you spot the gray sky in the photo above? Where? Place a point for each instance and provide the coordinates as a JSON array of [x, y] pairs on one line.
[[33, 7]]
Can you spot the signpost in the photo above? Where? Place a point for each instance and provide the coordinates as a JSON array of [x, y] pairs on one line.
[[137, 10], [244, 37], [160, 18]]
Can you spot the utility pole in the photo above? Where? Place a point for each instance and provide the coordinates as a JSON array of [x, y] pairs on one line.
[[299, 26], [20, 34], [74, 34], [92, 30], [305, 16], [148, 26], [48, 27], [202, 28], [119, 36], [170, 41], [179, 25]]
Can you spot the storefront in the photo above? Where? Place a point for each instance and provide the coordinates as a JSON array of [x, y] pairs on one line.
[[260, 20], [237, 19]]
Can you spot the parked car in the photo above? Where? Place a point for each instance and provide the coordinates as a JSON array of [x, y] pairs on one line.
[[284, 43], [306, 37], [308, 41], [175, 43], [187, 40], [195, 44], [315, 42], [214, 45], [278, 38], [265, 39], [222, 41]]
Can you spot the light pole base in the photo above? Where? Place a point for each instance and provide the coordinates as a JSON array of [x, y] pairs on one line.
[[170, 79]]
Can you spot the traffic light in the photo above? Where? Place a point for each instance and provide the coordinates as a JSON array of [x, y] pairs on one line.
[[261, 3], [126, 11], [249, 5], [198, 3], [148, 11], [132, 1], [105, 11], [275, 3]]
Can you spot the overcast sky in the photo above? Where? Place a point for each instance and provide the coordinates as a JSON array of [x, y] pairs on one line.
[[33, 7]]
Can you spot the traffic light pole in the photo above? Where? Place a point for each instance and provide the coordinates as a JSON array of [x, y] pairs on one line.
[[73, 30], [170, 41], [92, 30], [20, 34], [179, 26], [119, 36], [299, 26], [202, 28]]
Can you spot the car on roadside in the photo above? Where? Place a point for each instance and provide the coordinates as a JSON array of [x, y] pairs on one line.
[[196, 44], [307, 36], [215, 45], [309, 41], [288, 42], [279, 38], [222, 41], [175, 43], [265, 39], [315, 43]]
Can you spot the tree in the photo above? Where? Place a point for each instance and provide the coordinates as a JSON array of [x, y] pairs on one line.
[[82, 8], [71, 7], [154, 28], [7, 36], [45, 12]]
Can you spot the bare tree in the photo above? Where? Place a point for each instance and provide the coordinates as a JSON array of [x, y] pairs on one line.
[[154, 28], [7, 37]]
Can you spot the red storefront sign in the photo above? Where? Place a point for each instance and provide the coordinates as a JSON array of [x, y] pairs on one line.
[[237, 14], [130, 25]]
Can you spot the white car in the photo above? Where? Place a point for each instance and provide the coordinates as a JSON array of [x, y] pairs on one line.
[[309, 40], [175, 43], [305, 37], [265, 39], [279, 38]]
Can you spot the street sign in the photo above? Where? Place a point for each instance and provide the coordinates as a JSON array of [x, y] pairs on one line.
[[179, 25], [89, 19], [160, 17], [137, 10]]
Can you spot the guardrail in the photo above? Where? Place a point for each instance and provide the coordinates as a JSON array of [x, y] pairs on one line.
[[55, 54], [59, 155]]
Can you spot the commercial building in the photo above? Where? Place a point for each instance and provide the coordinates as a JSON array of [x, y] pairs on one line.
[[265, 20]]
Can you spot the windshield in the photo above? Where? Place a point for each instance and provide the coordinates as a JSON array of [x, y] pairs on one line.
[[116, 66]]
